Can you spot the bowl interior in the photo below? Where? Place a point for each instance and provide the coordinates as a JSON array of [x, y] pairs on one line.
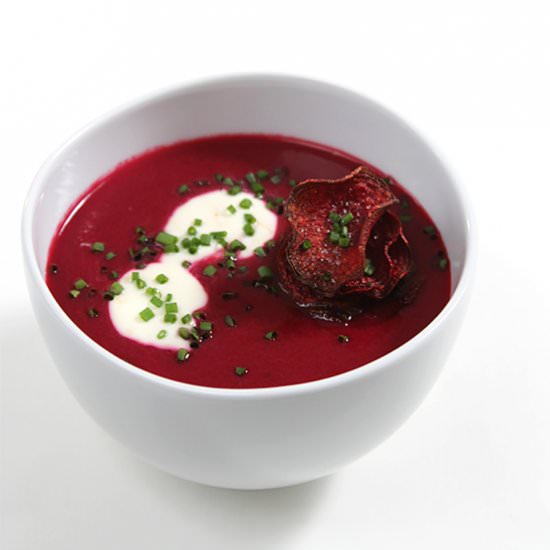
[[278, 105]]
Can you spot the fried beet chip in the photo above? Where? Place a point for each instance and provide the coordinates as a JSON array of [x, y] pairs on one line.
[[342, 240]]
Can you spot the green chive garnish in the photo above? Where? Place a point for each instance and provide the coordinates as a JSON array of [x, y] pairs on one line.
[[170, 317], [443, 263], [156, 301], [249, 218], [236, 245], [306, 245], [146, 314], [197, 222], [245, 203], [249, 229], [250, 177], [333, 237], [235, 190], [74, 293], [184, 333], [275, 179], [262, 174], [219, 177], [182, 189], [260, 252], [172, 307], [116, 289], [187, 318], [98, 247], [205, 325], [241, 371], [210, 270], [166, 238], [161, 334], [161, 278], [347, 218], [229, 321], [292, 183], [186, 264], [271, 335], [264, 272], [192, 230], [183, 354], [231, 209], [343, 242], [110, 255], [430, 231], [80, 284], [141, 284]]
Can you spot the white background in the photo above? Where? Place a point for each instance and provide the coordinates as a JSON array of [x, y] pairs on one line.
[[471, 469]]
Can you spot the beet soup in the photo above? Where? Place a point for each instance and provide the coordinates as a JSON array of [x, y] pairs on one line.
[[192, 261]]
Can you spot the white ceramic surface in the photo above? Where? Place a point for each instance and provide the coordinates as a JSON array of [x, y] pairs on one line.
[[256, 438]]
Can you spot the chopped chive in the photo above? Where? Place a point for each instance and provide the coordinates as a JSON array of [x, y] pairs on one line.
[[250, 177], [110, 255], [369, 268], [197, 222], [229, 321], [270, 244], [262, 174], [276, 179], [161, 278], [235, 190], [347, 218], [182, 355], [405, 217], [74, 293], [334, 217], [231, 209], [218, 177], [443, 263], [199, 315], [205, 239], [182, 189], [156, 301], [257, 188], [98, 247], [168, 297], [260, 252], [170, 317], [235, 245], [184, 333], [205, 325], [210, 270], [228, 182], [80, 284], [141, 239], [192, 249], [139, 230], [192, 230], [161, 334], [172, 307], [292, 183], [166, 238], [151, 291], [249, 218], [387, 180], [249, 229], [271, 335], [116, 288], [186, 319], [243, 269], [146, 314], [343, 242], [306, 245], [186, 264], [343, 339], [170, 248], [264, 272], [114, 275], [333, 237], [135, 276], [141, 284], [92, 313], [245, 203], [241, 371]]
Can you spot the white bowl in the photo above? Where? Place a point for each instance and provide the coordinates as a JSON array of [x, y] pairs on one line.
[[256, 438]]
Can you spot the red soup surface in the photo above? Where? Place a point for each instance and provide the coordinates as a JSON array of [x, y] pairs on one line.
[[268, 340]]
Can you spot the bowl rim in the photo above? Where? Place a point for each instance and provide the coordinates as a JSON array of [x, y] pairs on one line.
[[260, 79]]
